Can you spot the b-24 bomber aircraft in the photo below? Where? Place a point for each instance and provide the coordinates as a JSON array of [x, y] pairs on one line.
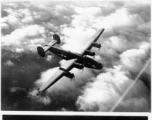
[[78, 59]]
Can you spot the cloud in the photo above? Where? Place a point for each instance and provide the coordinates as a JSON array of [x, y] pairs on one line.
[[133, 59], [9, 63], [76, 37], [44, 100], [107, 88], [18, 36], [125, 50]]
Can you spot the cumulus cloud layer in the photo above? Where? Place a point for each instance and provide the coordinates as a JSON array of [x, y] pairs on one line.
[[125, 50]]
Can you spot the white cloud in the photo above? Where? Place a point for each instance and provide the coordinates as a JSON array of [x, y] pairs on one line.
[[49, 58], [9, 63], [19, 50], [91, 11], [19, 37], [41, 99], [133, 59], [76, 37], [107, 88], [4, 26]]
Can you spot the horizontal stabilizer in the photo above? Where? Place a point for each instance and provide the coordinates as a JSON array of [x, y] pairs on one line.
[[42, 50]]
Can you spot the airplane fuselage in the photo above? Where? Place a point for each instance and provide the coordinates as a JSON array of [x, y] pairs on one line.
[[82, 60]]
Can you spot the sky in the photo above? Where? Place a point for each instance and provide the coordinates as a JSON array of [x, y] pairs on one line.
[[125, 51]]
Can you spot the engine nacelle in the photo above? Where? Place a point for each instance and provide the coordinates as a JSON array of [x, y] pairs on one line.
[[67, 73], [78, 65], [94, 44], [88, 52]]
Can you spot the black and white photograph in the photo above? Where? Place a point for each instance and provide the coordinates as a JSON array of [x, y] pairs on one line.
[[76, 56]]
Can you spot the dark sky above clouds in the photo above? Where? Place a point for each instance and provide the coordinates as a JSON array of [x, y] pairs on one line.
[[125, 51]]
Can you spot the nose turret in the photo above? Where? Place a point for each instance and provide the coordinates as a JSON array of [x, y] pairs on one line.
[[99, 66]]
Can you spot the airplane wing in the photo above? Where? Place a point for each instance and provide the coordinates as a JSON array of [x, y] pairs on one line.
[[68, 65], [88, 45], [58, 74]]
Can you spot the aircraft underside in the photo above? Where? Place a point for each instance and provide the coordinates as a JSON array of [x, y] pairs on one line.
[[82, 60]]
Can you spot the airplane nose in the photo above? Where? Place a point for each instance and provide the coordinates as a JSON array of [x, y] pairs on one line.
[[100, 66]]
